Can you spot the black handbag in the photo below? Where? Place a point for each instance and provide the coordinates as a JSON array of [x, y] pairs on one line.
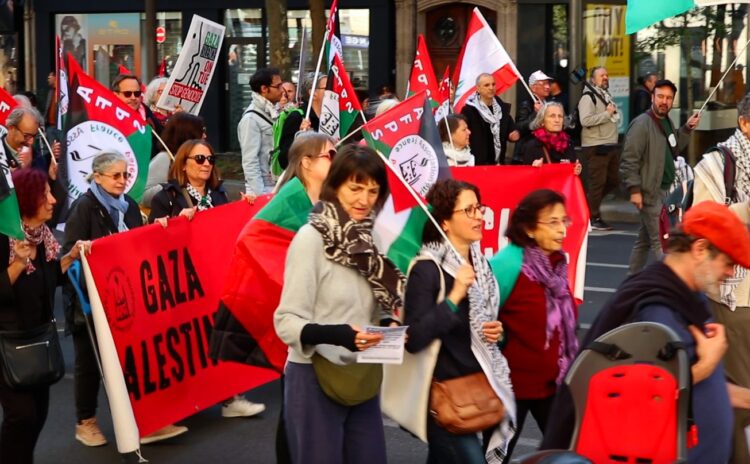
[[31, 358]]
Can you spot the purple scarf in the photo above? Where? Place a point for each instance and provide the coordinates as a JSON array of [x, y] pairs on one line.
[[560, 312]]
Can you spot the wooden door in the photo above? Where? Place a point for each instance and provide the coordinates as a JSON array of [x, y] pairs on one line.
[[445, 31]]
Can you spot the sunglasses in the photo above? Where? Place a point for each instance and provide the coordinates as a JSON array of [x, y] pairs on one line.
[[327, 154], [131, 93], [200, 159], [117, 175]]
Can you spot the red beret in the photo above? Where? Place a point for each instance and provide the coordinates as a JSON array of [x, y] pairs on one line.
[[721, 227]]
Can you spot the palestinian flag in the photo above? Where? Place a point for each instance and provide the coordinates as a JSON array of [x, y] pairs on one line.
[[256, 275], [422, 76], [97, 120], [10, 217], [340, 106], [332, 45], [406, 135]]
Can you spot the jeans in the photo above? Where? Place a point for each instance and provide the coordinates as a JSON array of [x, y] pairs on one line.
[[648, 235], [448, 448], [600, 175], [539, 408]]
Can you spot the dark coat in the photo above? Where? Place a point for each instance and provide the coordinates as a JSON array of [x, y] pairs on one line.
[[532, 150], [88, 220], [525, 115], [480, 140], [641, 101], [170, 201]]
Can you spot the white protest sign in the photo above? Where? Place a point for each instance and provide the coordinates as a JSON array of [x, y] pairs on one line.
[[195, 66]]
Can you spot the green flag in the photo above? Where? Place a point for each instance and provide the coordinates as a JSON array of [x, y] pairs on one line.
[[10, 217], [643, 13]]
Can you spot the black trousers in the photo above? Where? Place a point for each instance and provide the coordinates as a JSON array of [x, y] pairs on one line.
[[539, 408], [87, 376], [24, 414]]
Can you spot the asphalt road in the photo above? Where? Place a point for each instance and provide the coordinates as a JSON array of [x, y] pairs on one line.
[[214, 439]]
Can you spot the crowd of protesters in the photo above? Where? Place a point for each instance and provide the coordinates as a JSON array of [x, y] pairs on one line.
[[506, 325]]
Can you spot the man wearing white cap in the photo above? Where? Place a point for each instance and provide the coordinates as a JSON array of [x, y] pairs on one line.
[[539, 85]]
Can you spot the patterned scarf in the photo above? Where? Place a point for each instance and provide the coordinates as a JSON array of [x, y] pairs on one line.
[[492, 117], [740, 146], [349, 243], [484, 302], [553, 141], [203, 202], [560, 312], [35, 236]]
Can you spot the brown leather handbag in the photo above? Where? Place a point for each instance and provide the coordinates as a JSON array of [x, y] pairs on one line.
[[465, 404]]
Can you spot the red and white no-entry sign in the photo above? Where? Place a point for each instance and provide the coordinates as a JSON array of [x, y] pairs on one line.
[[161, 34]]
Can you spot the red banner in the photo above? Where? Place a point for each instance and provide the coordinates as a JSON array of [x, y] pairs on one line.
[[503, 187], [160, 289]]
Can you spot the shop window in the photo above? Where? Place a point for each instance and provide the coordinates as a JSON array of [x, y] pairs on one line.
[[694, 50], [168, 51]]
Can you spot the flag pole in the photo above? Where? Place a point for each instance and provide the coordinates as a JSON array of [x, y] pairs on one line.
[[317, 71], [301, 71], [526, 86], [171, 156], [340, 142], [729, 68], [46, 142], [421, 204], [448, 129]]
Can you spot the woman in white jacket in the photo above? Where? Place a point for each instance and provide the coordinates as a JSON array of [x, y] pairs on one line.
[[454, 133]]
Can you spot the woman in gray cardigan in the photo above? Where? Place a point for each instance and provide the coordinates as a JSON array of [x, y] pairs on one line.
[[335, 284]]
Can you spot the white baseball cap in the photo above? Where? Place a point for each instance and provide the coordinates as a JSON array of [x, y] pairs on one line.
[[537, 76]]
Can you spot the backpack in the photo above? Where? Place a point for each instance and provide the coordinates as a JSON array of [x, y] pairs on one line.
[[573, 126], [278, 127], [729, 175]]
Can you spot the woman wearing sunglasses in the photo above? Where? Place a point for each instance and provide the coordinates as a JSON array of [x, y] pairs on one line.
[[194, 184], [103, 210], [537, 308]]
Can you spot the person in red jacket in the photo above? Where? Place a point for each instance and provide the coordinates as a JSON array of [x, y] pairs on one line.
[[537, 308]]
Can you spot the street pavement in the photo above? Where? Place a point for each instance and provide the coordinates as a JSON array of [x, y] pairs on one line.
[[212, 438]]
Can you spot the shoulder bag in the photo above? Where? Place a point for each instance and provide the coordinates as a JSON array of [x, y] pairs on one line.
[[405, 396], [31, 358]]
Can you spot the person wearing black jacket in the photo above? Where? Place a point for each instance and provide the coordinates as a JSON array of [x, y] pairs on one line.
[[642, 94], [103, 210], [27, 291], [296, 122], [549, 143], [539, 83], [490, 122]]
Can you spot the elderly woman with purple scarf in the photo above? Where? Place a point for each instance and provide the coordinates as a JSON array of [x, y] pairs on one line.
[[537, 307]]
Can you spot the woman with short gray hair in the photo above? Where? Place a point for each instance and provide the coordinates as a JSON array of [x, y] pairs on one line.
[[104, 209], [549, 143]]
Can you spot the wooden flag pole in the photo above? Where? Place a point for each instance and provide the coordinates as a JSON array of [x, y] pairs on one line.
[[317, 72]]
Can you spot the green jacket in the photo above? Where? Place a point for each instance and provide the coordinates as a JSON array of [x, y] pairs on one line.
[[642, 161], [506, 266]]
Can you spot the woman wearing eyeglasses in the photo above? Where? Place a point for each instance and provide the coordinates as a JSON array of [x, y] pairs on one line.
[[464, 320], [194, 184], [549, 143], [537, 307], [103, 210]]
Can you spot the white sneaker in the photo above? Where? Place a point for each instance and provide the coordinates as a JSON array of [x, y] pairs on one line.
[[238, 406]]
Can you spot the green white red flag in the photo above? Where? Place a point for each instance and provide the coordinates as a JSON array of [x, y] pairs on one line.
[[332, 45], [256, 274], [97, 120], [406, 135], [10, 217], [340, 106]]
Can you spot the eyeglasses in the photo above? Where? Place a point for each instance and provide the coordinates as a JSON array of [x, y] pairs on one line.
[[131, 93], [117, 175], [26, 135], [471, 211], [556, 223], [326, 154], [200, 159], [277, 85]]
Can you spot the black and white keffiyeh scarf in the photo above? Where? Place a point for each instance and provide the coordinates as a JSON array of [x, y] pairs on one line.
[[490, 116], [349, 243], [484, 302]]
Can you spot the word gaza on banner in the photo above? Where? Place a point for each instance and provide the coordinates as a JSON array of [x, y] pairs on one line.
[[160, 288], [191, 76]]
